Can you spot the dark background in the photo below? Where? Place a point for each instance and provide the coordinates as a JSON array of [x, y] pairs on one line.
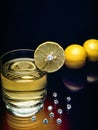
[[27, 23]]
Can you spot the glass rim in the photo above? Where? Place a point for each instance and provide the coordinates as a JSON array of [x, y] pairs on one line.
[[15, 50]]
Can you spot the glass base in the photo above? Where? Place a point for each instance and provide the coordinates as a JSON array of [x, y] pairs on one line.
[[24, 123], [24, 112]]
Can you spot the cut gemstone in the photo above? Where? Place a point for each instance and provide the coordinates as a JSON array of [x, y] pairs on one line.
[[45, 121], [51, 115], [54, 94], [59, 121], [60, 111], [50, 108], [69, 106], [33, 118], [56, 101], [68, 99]]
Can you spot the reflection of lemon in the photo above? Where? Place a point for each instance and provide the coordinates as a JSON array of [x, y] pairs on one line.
[[23, 64], [91, 46], [49, 56], [75, 56]]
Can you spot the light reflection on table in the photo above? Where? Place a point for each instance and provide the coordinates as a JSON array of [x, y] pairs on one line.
[[28, 123]]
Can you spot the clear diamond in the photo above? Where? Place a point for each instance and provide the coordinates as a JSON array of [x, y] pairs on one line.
[[55, 94], [60, 111], [68, 99], [33, 118], [49, 57], [51, 115], [56, 101], [50, 108], [69, 106], [59, 121], [45, 121]]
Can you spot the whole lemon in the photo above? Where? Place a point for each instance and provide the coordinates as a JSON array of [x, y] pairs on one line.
[[75, 56], [91, 47]]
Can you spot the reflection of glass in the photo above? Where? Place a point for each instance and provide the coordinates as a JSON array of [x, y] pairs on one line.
[[43, 120], [74, 79], [24, 123], [23, 84]]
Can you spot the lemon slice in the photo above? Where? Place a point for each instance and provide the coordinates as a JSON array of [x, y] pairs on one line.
[[49, 56]]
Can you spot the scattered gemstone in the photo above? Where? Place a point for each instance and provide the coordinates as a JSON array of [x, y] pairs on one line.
[[51, 115], [55, 94], [33, 118], [56, 101], [45, 121], [50, 108], [59, 121], [60, 111], [68, 99], [50, 57], [69, 106]]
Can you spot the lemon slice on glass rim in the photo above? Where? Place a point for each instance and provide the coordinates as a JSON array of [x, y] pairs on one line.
[[49, 56]]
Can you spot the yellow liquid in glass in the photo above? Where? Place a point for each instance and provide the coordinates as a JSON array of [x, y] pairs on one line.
[[24, 86]]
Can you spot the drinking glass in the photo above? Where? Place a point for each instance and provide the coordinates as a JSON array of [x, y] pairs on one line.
[[24, 86]]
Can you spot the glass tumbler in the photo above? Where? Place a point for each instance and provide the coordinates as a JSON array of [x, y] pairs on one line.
[[24, 86]]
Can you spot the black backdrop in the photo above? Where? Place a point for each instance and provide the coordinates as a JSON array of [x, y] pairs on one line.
[[27, 23]]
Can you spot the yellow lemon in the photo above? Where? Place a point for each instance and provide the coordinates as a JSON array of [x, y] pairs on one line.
[[49, 56], [75, 56], [91, 47]]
